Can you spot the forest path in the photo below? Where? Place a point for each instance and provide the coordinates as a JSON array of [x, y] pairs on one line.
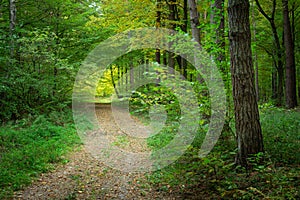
[[85, 177]]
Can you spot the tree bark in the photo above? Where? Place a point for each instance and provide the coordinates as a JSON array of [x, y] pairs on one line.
[[290, 81], [248, 129], [255, 53], [194, 18], [195, 23]]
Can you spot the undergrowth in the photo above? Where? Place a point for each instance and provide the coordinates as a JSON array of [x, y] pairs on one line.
[[32, 146], [274, 174]]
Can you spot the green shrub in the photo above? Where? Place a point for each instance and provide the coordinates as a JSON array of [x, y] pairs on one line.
[[28, 150]]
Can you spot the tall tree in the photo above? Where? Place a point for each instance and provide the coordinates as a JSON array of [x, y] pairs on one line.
[[184, 29], [248, 129], [278, 49], [171, 55], [290, 81], [194, 18], [195, 23]]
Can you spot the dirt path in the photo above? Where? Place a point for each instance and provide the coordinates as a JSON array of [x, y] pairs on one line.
[[85, 177]]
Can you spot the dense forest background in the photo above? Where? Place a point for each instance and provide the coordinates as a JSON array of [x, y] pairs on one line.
[[43, 44]]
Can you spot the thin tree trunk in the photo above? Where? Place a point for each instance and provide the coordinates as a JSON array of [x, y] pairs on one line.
[[274, 84], [147, 66], [171, 57], [12, 26], [280, 93], [278, 48], [165, 58], [57, 42], [171, 63], [141, 69], [113, 81], [184, 29], [158, 24], [248, 129], [195, 23], [290, 83], [131, 71], [194, 18], [126, 78]]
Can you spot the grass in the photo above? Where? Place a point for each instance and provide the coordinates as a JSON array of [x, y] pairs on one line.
[[31, 147], [275, 174], [281, 130]]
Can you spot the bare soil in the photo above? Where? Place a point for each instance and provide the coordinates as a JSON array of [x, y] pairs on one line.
[[85, 177]]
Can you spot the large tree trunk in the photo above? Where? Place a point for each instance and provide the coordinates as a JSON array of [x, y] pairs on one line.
[[248, 129], [290, 81]]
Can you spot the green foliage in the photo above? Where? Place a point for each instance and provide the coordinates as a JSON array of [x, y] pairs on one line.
[[164, 137], [149, 95], [49, 43], [36, 79], [121, 15], [145, 97], [26, 151], [105, 87]]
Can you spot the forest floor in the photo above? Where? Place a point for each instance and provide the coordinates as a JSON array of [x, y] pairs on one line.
[[275, 175], [85, 177]]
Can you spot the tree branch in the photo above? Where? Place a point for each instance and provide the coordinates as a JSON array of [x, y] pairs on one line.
[[261, 10]]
